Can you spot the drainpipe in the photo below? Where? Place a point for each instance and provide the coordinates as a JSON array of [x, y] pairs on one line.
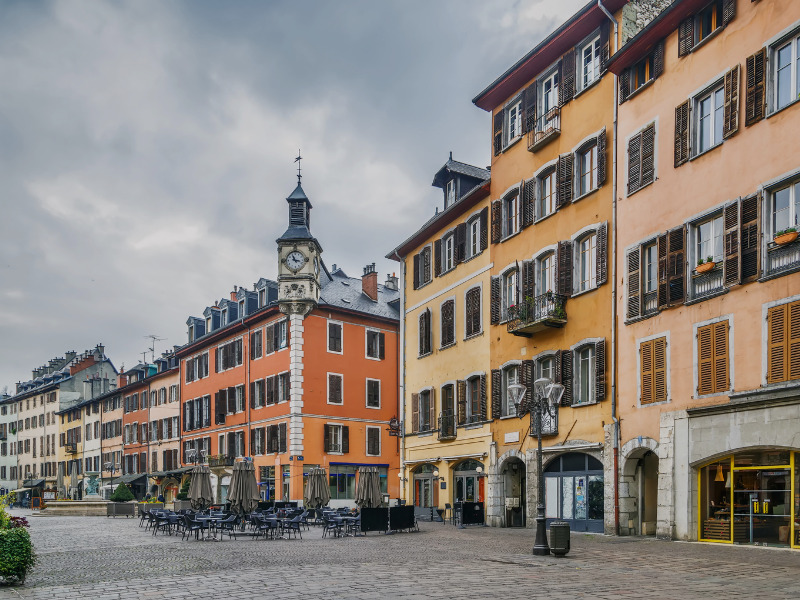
[[402, 374], [614, 417]]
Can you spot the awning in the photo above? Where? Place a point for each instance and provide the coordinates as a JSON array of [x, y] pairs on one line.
[[171, 473], [130, 478], [32, 483], [20, 490]]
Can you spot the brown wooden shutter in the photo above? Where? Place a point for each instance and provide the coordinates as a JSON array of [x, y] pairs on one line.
[[499, 120], [564, 268], [731, 243], [566, 376], [252, 442], [216, 360], [497, 221], [776, 343], [437, 257], [721, 362], [663, 289], [658, 59], [484, 228], [634, 163], [345, 439], [648, 153], [530, 108], [730, 121], [326, 439], [460, 246], [432, 411], [526, 379], [494, 301], [705, 360], [416, 272], [754, 94], [461, 399], [282, 437], [793, 342], [566, 87], [605, 46], [624, 85], [601, 158], [560, 71], [414, 413], [646, 369], [750, 238], [728, 11], [660, 369], [602, 253], [686, 36], [600, 370], [528, 202], [682, 141], [564, 174], [252, 394], [528, 281], [271, 339], [676, 266], [483, 397], [634, 283], [497, 394], [381, 346]]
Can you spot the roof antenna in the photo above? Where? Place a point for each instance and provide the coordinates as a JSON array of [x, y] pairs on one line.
[[451, 155], [297, 160]]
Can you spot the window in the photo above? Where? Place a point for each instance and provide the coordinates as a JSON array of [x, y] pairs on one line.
[[276, 336], [448, 252], [589, 67], [229, 355], [262, 297], [334, 388], [697, 28], [709, 111], [425, 411], [708, 20], [473, 312], [450, 193], [224, 316], [509, 293], [474, 232], [708, 240], [256, 339], [510, 214], [549, 99], [342, 480], [587, 262], [584, 375], [239, 398], [545, 368], [337, 439], [712, 358], [376, 344], [334, 337], [545, 273], [641, 158], [277, 388], [548, 187], [474, 413], [510, 376], [783, 342], [587, 169], [513, 122], [448, 336], [373, 441], [653, 371], [373, 393], [786, 74], [785, 208], [422, 267], [425, 333], [650, 265]]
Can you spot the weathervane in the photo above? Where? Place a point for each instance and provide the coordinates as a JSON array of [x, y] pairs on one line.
[[297, 160]]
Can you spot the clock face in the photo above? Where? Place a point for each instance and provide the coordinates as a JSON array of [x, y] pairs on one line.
[[295, 260]]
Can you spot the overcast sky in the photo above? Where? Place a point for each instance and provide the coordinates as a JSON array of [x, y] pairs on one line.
[[146, 148]]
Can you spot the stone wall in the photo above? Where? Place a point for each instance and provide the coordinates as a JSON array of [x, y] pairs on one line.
[[638, 13]]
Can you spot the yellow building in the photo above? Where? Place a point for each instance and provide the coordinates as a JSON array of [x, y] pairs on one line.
[[445, 346]]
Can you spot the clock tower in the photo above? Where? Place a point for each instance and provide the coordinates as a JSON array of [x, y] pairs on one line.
[[299, 258]]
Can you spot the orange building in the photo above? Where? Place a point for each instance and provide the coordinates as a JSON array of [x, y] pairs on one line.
[[295, 374]]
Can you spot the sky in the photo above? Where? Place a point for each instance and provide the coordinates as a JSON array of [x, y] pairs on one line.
[[147, 148]]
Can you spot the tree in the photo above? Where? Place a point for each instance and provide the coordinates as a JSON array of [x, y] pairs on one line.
[[183, 494], [121, 494]]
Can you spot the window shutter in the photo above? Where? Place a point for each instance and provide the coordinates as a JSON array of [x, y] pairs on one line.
[[252, 443], [676, 266], [624, 85], [528, 280], [381, 346], [721, 375], [530, 108], [459, 251], [663, 289], [750, 237], [731, 243], [282, 437], [600, 370], [484, 228], [231, 399], [602, 253], [326, 438], [526, 379], [728, 11], [634, 163], [566, 376], [648, 153], [461, 399], [634, 284], [483, 398], [658, 59], [416, 275], [437, 257], [686, 36], [646, 372], [528, 202], [682, 133], [660, 370], [776, 343], [705, 360], [564, 168], [566, 89], [252, 394], [560, 70], [564, 268], [497, 395], [754, 95], [730, 120], [601, 158], [432, 411], [793, 343], [216, 360], [494, 301], [271, 339], [414, 413], [220, 406], [499, 119], [497, 221], [605, 46]]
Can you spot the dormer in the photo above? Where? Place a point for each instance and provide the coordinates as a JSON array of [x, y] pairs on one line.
[[196, 328], [212, 317], [267, 292], [229, 312], [247, 302], [456, 179]]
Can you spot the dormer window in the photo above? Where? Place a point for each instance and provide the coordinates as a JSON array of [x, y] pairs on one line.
[[191, 333], [450, 193], [208, 324], [262, 297], [241, 308], [224, 316]]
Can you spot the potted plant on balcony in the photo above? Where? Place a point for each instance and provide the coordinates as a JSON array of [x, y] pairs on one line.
[[787, 236], [705, 267]]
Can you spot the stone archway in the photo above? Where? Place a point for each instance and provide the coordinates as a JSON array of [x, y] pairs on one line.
[[638, 487], [512, 489]]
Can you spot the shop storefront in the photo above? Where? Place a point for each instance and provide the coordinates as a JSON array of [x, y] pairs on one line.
[[573, 491], [750, 497], [468, 482]]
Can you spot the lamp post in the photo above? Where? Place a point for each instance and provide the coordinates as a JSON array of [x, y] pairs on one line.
[[403, 480], [110, 466], [434, 480], [546, 397]]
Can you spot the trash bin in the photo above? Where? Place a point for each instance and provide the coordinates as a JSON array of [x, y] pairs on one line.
[[559, 538]]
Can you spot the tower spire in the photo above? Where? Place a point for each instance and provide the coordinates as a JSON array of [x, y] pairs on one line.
[[297, 160]]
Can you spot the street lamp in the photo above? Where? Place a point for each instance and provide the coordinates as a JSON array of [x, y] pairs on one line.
[[110, 466], [434, 481], [546, 397]]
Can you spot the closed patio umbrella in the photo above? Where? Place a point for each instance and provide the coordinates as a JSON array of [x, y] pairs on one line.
[[368, 491], [317, 493], [243, 489], [200, 493], [62, 491], [73, 480]]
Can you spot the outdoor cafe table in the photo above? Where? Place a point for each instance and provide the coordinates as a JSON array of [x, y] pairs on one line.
[[212, 526]]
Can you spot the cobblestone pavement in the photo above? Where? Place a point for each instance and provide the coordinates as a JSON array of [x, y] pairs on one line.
[[100, 558]]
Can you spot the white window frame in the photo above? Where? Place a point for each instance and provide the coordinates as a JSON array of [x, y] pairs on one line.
[[591, 344], [366, 393], [506, 409], [547, 171], [328, 389], [578, 262], [791, 183], [513, 121], [645, 266], [548, 253], [550, 76], [590, 149], [592, 43], [473, 236], [537, 363], [448, 252], [716, 218], [335, 432], [793, 38], [450, 193], [224, 316], [709, 93], [420, 412], [262, 297], [429, 249], [509, 279], [328, 336], [367, 331], [366, 440], [471, 417]]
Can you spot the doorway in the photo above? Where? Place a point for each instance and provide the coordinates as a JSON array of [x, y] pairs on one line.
[[574, 491], [426, 497], [513, 474]]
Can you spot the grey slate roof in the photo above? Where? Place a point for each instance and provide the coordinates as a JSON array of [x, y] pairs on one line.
[[298, 232], [339, 290], [461, 168]]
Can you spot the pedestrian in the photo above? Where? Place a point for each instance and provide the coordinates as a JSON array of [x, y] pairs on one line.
[[161, 498], [147, 497]]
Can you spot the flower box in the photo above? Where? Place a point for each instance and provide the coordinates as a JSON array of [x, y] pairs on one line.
[[705, 267], [785, 238]]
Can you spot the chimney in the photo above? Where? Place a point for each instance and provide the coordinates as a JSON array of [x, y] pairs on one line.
[[68, 356], [391, 282], [233, 293], [122, 378], [369, 282]]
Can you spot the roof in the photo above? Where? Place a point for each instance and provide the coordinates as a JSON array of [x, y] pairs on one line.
[[441, 219], [298, 232], [339, 290], [454, 166], [171, 472], [298, 194], [572, 31], [129, 478], [665, 23]]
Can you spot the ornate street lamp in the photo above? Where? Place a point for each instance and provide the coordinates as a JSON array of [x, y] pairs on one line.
[[546, 398], [110, 466], [434, 482]]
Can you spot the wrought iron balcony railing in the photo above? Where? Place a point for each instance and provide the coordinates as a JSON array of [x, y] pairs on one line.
[[708, 283], [220, 460], [447, 425], [547, 127], [70, 448], [783, 258], [537, 313]]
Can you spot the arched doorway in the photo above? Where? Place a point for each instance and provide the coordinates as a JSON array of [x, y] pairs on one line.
[[426, 494], [513, 479], [468, 482], [574, 491], [641, 474]]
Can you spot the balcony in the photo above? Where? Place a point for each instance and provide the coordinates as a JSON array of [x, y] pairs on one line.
[[783, 259], [71, 448], [220, 460], [537, 314], [447, 425], [708, 284], [548, 127], [549, 424]]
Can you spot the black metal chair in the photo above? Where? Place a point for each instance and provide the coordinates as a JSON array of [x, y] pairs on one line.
[[191, 525], [293, 526], [229, 526]]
